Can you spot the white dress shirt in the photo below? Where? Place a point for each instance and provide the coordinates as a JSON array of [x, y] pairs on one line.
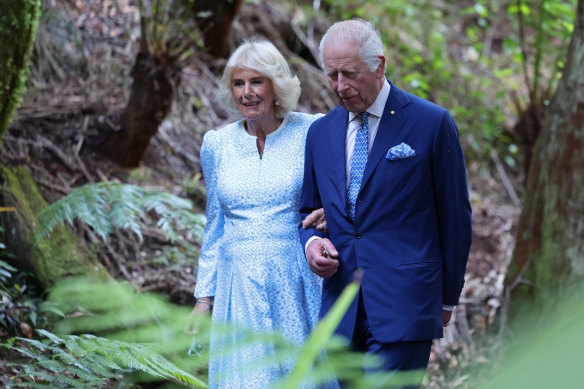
[[354, 122]]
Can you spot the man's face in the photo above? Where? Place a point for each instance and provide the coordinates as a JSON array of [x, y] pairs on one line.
[[349, 77]]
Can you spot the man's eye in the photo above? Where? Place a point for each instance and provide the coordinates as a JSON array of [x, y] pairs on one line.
[[333, 76], [237, 83]]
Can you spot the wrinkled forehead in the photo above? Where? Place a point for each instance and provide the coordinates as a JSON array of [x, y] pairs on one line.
[[341, 42], [342, 57]]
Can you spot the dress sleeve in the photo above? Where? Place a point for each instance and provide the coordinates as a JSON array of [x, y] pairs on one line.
[[207, 271]]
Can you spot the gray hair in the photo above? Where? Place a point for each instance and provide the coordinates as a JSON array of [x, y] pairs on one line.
[[263, 57], [356, 31]]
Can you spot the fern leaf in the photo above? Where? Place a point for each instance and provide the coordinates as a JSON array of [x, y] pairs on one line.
[[126, 211], [52, 365], [53, 338], [108, 205]]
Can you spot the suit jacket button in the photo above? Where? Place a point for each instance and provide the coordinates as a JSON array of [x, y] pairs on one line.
[[357, 235]]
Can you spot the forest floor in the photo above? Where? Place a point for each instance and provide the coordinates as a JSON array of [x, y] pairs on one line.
[[78, 88]]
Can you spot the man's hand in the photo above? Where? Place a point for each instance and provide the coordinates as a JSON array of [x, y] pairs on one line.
[[321, 256], [446, 316], [316, 220]]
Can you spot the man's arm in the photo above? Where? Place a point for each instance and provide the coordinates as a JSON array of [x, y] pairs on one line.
[[454, 211], [310, 197], [320, 253]]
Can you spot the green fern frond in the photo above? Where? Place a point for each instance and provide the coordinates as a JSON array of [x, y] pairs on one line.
[[103, 365], [125, 208], [88, 360], [109, 205], [147, 329]]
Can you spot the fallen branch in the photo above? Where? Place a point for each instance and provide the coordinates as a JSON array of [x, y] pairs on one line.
[[58, 152], [505, 179]]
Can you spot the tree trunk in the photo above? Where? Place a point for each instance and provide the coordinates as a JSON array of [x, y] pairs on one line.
[[550, 242], [18, 24], [152, 94], [156, 76], [214, 22], [59, 255]]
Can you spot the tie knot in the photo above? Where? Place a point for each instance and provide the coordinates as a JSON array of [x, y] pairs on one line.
[[364, 119]]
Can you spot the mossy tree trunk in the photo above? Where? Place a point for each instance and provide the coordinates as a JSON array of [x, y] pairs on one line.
[[18, 24], [59, 255], [550, 243]]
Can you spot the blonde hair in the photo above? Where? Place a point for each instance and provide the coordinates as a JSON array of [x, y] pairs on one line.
[[263, 57]]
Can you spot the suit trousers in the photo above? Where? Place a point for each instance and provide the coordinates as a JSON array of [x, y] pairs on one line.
[[404, 363]]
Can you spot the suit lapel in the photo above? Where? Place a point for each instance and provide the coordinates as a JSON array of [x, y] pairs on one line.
[[392, 122], [337, 135]]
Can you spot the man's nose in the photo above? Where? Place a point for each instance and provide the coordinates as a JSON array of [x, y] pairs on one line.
[[341, 83]]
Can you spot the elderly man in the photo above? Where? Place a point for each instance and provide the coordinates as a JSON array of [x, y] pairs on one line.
[[388, 169]]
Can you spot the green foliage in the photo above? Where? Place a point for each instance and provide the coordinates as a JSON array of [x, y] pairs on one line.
[[541, 41], [110, 205], [132, 331], [477, 79], [320, 336], [82, 361], [546, 348], [116, 309], [19, 299], [194, 189], [62, 254], [18, 23], [140, 338]]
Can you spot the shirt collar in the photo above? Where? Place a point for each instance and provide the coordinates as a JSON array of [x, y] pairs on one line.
[[378, 105]]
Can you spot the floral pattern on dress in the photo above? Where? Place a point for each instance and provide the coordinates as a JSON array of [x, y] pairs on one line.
[[252, 260]]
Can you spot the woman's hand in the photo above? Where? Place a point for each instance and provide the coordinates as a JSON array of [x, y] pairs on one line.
[[315, 219], [200, 310]]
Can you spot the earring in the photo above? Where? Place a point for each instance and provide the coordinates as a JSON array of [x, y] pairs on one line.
[[276, 102]]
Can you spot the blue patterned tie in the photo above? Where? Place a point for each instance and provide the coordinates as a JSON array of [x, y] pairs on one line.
[[358, 163]]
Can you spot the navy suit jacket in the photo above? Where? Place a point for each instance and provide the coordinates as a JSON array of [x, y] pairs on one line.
[[412, 230]]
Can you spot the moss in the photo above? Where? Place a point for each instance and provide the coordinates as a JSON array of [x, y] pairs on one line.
[[18, 25], [141, 173], [59, 255]]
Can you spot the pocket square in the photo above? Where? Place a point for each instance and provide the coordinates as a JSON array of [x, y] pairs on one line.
[[400, 151]]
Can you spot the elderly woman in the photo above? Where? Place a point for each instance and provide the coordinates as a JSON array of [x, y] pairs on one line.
[[252, 269]]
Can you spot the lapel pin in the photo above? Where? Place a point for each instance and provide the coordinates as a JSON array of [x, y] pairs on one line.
[[392, 112]]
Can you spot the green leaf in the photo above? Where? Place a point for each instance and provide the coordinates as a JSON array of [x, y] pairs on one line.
[[320, 336]]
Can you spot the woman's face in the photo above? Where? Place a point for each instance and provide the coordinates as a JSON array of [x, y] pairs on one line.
[[253, 93]]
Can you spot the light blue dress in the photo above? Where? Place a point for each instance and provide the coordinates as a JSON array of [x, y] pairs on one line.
[[251, 257]]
